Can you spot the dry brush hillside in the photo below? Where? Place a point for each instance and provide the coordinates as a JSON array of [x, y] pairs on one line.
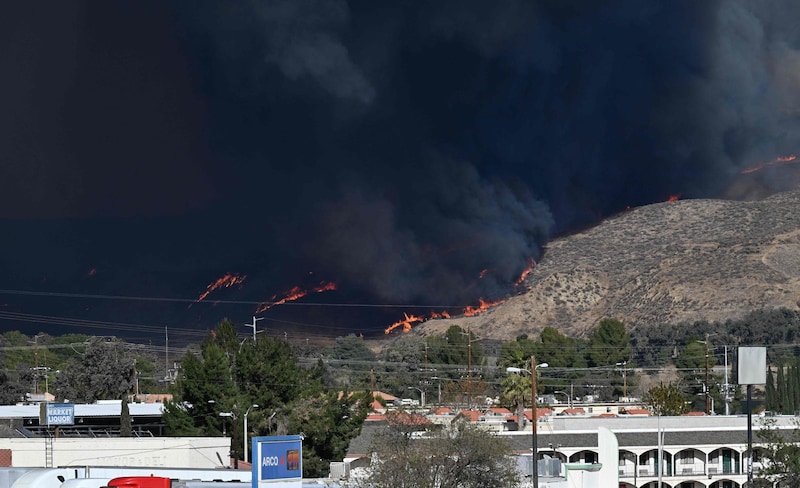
[[669, 262]]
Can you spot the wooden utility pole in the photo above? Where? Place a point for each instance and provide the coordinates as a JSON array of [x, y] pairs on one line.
[[708, 389], [469, 369]]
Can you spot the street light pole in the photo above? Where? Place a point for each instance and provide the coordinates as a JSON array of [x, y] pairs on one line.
[[244, 434], [225, 414], [233, 454], [534, 416], [421, 395], [534, 442]]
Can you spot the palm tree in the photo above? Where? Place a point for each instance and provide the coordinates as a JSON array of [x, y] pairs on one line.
[[516, 389]]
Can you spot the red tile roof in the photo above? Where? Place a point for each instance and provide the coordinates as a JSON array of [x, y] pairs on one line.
[[406, 418], [540, 412], [573, 411], [471, 415], [636, 411]]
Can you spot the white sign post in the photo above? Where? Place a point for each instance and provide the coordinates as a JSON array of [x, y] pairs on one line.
[[752, 371]]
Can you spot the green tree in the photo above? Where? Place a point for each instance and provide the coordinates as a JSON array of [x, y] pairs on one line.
[[517, 353], [691, 363], [146, 376], [104, 372], [665, 400], [354, 360], [205, 387], [516, 388], [406, 365], [456, 348], [558, 350], [780, 453], [228, 377], [125, 427], [780, 392], [267, 374], [14, 385], [459, 455], [353, 347], [609, 348], [770, 395], [609, 344], [327, 423]]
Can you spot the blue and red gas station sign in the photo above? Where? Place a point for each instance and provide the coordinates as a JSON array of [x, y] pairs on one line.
[[277, 458]]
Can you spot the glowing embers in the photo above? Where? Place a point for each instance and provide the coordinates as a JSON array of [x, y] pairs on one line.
[[483, 306], [525, 272], [779, 160], [295, 293], [227, 281], [405, 323]]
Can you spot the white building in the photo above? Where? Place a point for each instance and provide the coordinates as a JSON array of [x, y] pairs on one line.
[[695, 451]]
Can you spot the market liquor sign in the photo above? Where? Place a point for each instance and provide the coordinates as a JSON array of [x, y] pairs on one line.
[[59, 414], [277, 458]]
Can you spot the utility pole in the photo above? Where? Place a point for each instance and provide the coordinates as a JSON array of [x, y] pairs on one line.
[[534, 416], [166, 353], [708, 389], [727, 398], [624, 379], [535, 421], [253, 325], [469, 368]]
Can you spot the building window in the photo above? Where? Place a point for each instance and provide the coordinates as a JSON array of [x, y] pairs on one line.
[[686, 457]]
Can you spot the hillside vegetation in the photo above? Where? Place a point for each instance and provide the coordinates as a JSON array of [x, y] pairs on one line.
[[671, 262]]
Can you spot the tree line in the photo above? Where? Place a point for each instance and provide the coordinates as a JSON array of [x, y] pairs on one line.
[[325, 393]]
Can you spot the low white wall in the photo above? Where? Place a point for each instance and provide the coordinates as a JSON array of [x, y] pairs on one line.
[[173, 452]]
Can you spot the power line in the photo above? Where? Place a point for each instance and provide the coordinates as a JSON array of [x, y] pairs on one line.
[[233, 302]]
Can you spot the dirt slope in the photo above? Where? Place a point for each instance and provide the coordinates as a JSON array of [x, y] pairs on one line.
[[668, 262]]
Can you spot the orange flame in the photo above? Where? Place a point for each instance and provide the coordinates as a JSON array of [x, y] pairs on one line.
[[674, 198], [470, 311], [405, 323], [410, 319], [227, 281], [483, 273], [92, 272], [526, 272], [295, 293], [778, 160], [484, 306]]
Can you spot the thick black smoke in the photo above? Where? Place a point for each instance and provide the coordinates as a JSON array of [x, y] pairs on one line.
[[424, 144], [397, 148]]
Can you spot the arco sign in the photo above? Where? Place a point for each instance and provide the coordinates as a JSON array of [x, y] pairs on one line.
[[277, 458]]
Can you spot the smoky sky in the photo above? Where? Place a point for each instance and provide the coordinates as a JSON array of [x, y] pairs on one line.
[[397, 148]]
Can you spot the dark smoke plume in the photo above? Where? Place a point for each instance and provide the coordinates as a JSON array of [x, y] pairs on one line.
[[424, 144], [400, 149]]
